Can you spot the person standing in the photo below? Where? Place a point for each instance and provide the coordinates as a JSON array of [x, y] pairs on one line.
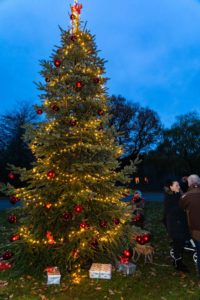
[[184, 183], [176, 222], [190, 202]]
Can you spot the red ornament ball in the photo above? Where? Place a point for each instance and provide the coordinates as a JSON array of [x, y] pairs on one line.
[[74, 253], [146, 237], [7, 255], [72, 122], [55, 107], [116, 221], [100, 112], [57, 62], [94, 243], [127, 253], [5, 265], [72, 17], [39, 111], [84, 225], [51, 174], [73, 38], [140, 240], [11, 176], [96, 80], [137, 218], [79, 85], [78, 208], [14, 237], [136, 199], [67, 215], [14, 199], [103, 223], [12, 219]]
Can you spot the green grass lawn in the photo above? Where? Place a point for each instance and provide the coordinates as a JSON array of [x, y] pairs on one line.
[[151, 281]]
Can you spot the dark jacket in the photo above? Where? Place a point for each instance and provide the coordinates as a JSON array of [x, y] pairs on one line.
[[174, 217], [184, 186], [191, 203]]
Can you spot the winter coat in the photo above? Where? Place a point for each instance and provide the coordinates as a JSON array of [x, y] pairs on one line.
[[175, 218], [184, 186], [191, 203]]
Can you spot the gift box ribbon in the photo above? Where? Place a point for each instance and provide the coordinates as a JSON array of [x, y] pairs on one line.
[[123, 260], [50, 269]]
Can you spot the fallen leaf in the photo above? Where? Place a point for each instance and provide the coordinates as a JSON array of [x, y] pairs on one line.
[[3, 283], [43, 297], [111, 292]]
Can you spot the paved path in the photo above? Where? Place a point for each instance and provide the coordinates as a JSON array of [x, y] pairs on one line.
[[5, 203], [153, 196]]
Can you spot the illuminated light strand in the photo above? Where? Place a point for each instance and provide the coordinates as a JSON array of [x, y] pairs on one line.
[[95, 148], [62, 202], [118, 150], [72, 178], [76, 276], [24, 232], [39, 201], [107, 236], [80, 145]]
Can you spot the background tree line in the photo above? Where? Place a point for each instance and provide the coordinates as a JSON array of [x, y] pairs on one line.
[[164, 152], [13, 148]]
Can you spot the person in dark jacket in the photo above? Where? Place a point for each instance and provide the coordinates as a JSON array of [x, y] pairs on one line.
[[191, 203], [184, 184], [176, 222]]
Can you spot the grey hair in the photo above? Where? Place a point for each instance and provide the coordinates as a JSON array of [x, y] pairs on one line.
[[193, 180]]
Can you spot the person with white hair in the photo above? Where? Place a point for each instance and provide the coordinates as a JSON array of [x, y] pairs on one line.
[[190, 202]]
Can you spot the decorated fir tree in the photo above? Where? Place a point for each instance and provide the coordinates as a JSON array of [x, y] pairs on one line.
[[71, 212]]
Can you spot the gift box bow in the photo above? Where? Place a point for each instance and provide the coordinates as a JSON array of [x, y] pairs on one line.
[[123, 260], [51, 269]]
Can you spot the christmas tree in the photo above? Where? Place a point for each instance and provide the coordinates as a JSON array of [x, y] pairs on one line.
[[71, 212]]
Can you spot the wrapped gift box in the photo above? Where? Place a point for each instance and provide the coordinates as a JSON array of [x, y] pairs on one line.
[[53, 275], [126, 268], [101, 271]]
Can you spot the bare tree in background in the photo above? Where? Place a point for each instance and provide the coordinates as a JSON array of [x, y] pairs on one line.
[[140, 128]]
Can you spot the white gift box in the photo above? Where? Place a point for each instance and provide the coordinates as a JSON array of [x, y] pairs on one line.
[[101, 271], [53, 276], [126, 268]]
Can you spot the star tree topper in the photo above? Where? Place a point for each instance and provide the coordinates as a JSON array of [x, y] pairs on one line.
[[75, 14]]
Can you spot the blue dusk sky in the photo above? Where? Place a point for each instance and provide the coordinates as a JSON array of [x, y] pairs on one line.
[[152, 49]]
